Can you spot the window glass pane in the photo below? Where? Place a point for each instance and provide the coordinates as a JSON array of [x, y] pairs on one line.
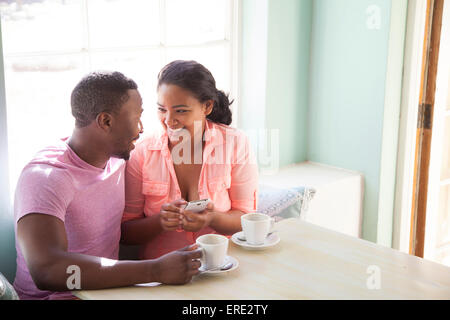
[[38, 25], [195, 21], [448, 93], [47, 47], [214, 58], [443, 227], [121, 23], [38, 103], [141, 66], [445, 167]]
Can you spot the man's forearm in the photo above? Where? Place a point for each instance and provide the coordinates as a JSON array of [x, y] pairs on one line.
[[78, 271]]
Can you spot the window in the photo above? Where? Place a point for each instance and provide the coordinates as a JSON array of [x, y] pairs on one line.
[[48, 45]]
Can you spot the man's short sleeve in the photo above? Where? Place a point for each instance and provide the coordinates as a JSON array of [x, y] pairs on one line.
[[43, 189]]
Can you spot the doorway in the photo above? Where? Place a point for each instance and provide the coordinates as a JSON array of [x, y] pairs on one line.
[[422, 212]]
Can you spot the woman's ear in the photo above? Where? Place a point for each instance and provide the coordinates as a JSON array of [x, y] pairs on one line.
[[209, 105]]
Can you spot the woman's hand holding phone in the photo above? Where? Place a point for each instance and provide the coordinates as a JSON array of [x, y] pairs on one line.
[[195, 221], [170, 215]]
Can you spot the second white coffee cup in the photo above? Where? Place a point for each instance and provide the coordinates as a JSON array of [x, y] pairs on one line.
[[215, 247], [256, 226]]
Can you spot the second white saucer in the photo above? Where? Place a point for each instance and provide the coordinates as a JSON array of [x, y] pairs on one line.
[[270, 241]]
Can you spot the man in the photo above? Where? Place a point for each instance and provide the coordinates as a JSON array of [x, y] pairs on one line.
[[70, 199]]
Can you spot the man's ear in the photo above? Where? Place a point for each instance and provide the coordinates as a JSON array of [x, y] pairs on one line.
[[209, 105], [104, 121]]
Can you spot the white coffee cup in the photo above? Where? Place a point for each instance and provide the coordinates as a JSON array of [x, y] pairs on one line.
[[214, 248], [256, 226]]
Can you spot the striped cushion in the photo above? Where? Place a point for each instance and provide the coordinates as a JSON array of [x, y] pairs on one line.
[[7, 291]]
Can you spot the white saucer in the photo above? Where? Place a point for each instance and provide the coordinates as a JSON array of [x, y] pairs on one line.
[[227, 259], [270, 241]]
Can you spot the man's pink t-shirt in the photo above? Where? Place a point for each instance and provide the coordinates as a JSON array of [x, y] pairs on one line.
[[89, 200]]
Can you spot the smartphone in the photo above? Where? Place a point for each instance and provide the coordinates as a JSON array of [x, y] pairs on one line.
[[197, 206]]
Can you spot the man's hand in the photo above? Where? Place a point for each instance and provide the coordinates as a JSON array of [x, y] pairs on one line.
[[193, 221], [170, 215], [178, 267]]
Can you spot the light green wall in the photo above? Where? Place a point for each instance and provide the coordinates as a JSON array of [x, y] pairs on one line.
[[7, 249], [349, 67], [274, 80], [254, 64], [287, 75], [391, 123], [328, 77]]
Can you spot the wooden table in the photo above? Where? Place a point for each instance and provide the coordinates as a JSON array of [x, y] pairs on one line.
[[309, 262]]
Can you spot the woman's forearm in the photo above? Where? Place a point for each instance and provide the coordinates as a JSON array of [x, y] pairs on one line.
[[227, 222], [140, 231]]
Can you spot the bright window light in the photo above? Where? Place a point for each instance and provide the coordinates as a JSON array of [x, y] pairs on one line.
[[48, 45]]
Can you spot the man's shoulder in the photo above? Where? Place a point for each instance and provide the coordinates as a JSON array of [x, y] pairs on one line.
[[56, 155], [50, 163], [43, 174], [44, 182]]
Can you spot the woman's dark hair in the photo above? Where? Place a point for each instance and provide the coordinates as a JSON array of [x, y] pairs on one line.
[[194, 77], [99, 91]]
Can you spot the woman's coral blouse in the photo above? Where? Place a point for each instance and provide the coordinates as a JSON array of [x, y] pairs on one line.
[[229, 178]]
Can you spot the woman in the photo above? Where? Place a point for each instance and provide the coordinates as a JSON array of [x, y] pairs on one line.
[[198, 156]]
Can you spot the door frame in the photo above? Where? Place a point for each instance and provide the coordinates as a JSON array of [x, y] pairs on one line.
[[412, 72], [440, 104], [411, 94]]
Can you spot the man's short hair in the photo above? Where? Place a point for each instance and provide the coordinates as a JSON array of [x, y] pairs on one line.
[[99, 91]]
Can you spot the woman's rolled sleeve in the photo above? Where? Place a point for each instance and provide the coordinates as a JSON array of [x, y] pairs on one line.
[[134, 198], [243, 190]]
